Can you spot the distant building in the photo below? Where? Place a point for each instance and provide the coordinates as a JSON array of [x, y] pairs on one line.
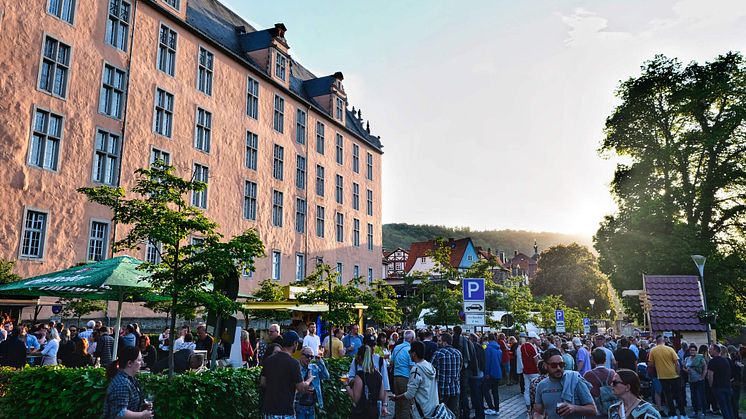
[[395, 262], [523, 265], [463, 255]]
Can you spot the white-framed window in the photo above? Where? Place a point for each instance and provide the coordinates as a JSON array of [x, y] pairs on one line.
[[319, 221], [340, 269], [340, 149], [113, 87], [97, 241], [300, 267], [300, 126], [370, 237], [167, 50], [201, 174], [45, 140], [249, 200], [300, 171], [278, 162], [369, 201], [280, 66], [277, 198], [34, 235], [278, 121], [339, 109], [340, 227], [276, 260], [173, 3], [62, 9], [55, 67], [252, 150], [203, 130], [339, 189], [370, 276], [164, 156], [163, 118], [470, 257], [356, 271], [106, 157], [320, 137], [356, 158], [153, 252], [356, 232], [118, 24], [247, 273], [252, 98], [319, 180], [204, 71], [369, 162], [197, 242], [356, 196], [300, 215]]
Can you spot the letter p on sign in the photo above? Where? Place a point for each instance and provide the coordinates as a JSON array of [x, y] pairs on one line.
[[473, 289]]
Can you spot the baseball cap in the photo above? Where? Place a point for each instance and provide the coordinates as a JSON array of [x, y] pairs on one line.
[[289, 338], [576, 341], [533, 335], [522, 335]]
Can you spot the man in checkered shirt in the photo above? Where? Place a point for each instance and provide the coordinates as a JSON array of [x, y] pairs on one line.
[[447, 362]]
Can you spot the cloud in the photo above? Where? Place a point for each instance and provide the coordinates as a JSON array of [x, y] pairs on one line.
[[587, 27]]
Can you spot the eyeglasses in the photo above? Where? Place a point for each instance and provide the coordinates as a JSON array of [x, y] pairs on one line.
[[309, 356], [615, 383], [556, 364]]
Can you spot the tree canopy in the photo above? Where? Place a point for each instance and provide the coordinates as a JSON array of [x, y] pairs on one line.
[[682, 190], [571, 272]]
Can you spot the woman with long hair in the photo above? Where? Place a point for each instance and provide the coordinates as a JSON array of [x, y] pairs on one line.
[[49, 353], [626, 386], [123, 396], [366, 388], [67, 347], [80, 356], [149, 354], [247, 352]]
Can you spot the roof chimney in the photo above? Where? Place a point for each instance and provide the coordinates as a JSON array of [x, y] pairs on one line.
[[338, 75], [515, 253], [280, 30]]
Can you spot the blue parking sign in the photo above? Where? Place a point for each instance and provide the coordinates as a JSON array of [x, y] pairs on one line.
[[473, 289], [559, 315]]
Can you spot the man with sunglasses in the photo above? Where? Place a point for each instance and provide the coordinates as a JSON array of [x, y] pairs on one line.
[[305, 402], [564, 394]]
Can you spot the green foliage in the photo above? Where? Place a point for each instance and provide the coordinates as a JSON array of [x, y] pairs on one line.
[[79, 307], [403, 235], [571, 272], [6, 272], [80, 392], [202, 274], [269, 290], [343, 297], [683, 192], [518, 300], [383, 307]]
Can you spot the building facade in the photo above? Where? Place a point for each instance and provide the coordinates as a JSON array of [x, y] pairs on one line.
[[94, 90]]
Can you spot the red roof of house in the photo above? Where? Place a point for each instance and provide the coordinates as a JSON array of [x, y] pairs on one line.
[[422, 249], [675, 301]]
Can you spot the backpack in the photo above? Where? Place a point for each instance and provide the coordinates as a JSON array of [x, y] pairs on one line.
[[606, 397], [367, 405]]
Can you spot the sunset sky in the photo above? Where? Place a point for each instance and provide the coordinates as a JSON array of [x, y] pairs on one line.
[[491, 112]]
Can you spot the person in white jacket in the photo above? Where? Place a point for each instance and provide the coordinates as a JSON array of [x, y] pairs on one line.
[[422, 386]]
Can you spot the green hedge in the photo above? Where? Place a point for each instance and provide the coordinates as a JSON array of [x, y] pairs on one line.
[[230, 393]]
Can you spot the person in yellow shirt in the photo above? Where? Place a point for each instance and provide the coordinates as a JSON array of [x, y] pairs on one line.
[[338, 348], [666, 363]]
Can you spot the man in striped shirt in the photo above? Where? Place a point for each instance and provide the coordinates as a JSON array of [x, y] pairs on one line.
[[447, 362]]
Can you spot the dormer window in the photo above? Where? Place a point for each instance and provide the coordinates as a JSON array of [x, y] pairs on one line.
[[280, 66], [339, 109], [173, 3]]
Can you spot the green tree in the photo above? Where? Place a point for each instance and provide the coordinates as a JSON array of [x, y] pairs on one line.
[[190, 274], [269, 291], [683, 188], [6, 272], [79, 307], [572, 272], [517, 299], [383, 307]]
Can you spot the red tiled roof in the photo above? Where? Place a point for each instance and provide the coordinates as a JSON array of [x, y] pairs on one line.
[[675, 301], [421, 249]]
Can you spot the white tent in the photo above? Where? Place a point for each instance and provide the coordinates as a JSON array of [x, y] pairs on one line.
[[496, 316]]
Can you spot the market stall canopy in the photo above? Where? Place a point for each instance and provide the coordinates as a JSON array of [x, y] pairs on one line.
[[104, 280]]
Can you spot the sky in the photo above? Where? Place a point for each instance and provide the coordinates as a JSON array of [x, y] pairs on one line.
[[491, 112]]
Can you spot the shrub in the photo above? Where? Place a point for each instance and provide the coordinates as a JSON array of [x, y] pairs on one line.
[[56, 391]]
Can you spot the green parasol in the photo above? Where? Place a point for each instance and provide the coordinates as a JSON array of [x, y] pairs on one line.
[[111, 279]]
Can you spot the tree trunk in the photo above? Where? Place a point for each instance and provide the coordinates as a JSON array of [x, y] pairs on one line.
[[215, 343], [172, 334]]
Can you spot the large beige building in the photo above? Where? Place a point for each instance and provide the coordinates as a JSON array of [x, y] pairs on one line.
[[94, 89]]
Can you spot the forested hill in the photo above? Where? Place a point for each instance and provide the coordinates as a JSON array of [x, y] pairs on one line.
[[402, 235]]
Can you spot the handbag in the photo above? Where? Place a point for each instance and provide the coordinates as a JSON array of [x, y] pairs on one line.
[[441, 412]]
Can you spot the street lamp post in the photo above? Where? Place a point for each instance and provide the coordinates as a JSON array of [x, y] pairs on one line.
[[700, 260], [592, 301], [608, 313]]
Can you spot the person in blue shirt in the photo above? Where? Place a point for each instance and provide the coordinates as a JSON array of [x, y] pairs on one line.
[[353, 341], [32, 343], [492, 375], [402, 366]]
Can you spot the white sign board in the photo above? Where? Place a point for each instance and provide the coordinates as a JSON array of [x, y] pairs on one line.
[[586, 325], [475, 319], [473, 307]]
